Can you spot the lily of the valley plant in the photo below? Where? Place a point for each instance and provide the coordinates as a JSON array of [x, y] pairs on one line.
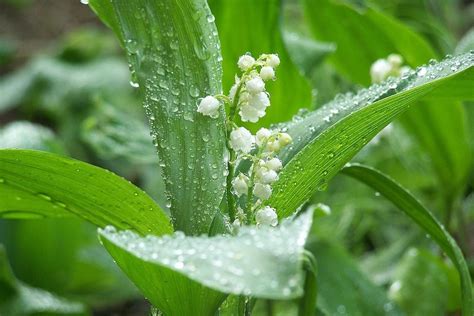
[[238, 219]]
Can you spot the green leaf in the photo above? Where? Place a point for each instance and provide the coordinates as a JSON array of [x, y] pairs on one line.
[[19, 299], [367, 35], [114, 134], [306, 52], [307, 303], [413, 208], [466, 43], [40, 184], [343, 288], [259, 31], [260, 262], [26, 135], [53, 83], [173, 50], [328, 138], [421, 284]]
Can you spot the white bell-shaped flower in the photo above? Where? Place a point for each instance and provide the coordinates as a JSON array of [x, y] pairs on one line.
[[267, 73], [209, 106], [245, 62], [259, 101], [266, 216], [240, 184], [255, 85], [380, 70], [262, 135], [242, 140], [395, 60], [274, 164], [249, 113], [266, 176], [262, 191], [273, 61]]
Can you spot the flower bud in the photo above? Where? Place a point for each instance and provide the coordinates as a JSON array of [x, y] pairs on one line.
[[284, 139]]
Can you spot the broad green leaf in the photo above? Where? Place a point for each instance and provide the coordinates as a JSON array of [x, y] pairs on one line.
[[328, 138], [84, 269], [19, 299], [40, 184], [259, 261], [413, 208], [421, 284], [26, 135], [367, 35], [173, 50], [259, 31], [342, 288]]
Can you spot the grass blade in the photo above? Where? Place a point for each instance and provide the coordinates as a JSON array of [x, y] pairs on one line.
[[408, 204]]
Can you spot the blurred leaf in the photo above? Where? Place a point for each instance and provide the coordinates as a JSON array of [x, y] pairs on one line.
[[363, 35], [19, 299], [466, 43], [408, 204], [26, 135], [259, 31], [343, 288], [306, 52], [41, 184], [84, 269], [367, 35], [114, 134], [258, 262], [421, 284], [175, 60], [328, 138], [53, 83], [84, 44], [7, 50]]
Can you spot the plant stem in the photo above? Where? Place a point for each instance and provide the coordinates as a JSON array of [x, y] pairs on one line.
[[269, 307]]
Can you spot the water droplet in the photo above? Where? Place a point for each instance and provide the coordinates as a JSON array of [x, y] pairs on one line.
[[44, 196]]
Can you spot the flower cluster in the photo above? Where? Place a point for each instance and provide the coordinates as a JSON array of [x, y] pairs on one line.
[[381, 69], [248, 97], [260, 150]]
